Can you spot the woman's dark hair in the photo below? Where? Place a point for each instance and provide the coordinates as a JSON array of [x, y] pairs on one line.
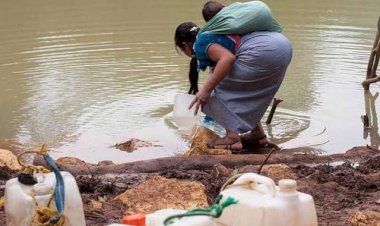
[[193, 76], [187, 32]]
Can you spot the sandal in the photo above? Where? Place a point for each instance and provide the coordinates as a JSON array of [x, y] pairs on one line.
[[226, 143], [249, 142]]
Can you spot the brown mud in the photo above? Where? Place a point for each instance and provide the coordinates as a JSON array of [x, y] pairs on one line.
[[339, 190]]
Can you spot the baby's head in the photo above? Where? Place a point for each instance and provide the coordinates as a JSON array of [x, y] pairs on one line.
[[210, 9]]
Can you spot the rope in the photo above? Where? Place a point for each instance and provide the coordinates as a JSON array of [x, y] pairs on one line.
[[214, 211], [31, 169], [46, 215], [42, 215]]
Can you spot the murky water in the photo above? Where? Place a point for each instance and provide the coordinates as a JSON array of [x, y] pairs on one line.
[[84, 75]]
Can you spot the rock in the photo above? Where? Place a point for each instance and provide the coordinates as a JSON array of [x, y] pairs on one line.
[[365, 218], [220, 170], [330, 185], [160, 193], [71, 162], [67, 163], [8, 159], [132, 145], [360, 152], [274, 171], [96, 204], [373, 178], [201, 137], [278, 172]]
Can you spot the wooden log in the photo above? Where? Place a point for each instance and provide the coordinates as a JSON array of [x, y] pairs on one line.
[[366, 82], [370, 74], [276, 101], [200, 162], [372, 56], [376, 61], [373, 64], [365, 121]]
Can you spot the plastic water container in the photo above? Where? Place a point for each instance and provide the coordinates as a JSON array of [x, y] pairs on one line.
[[157, 219], [209, 123], [20, 207], [183, 117], [262, 203]]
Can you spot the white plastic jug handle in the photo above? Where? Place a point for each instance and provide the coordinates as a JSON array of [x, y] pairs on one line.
[[252, 179]]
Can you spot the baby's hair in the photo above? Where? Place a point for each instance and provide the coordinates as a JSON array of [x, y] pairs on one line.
[[187, 32], [210, 9]]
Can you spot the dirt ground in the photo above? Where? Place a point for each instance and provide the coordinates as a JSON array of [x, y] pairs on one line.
[[338, 190]]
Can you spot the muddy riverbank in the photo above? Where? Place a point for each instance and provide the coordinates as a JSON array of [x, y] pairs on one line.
[[340, 186]]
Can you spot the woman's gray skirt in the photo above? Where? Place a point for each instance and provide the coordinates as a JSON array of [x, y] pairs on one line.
[[240, 100]]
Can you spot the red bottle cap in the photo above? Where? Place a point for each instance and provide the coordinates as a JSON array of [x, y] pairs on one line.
[[135, 220]]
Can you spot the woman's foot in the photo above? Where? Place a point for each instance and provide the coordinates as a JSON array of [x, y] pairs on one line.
[[231, 142], [256, 142]]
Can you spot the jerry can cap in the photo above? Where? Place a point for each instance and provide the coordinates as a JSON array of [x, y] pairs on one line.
[[287, 185]]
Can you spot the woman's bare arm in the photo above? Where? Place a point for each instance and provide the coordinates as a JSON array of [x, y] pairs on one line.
[[224, 61]]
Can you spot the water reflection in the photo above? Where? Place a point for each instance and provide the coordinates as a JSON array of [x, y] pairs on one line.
[[295, 131], [370, 109]]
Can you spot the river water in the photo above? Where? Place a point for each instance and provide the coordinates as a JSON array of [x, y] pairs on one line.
[[84, 75]]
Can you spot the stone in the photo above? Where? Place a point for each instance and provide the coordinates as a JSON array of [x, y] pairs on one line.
[[71, 162], [220, 170], [8, 159], [365, 218], [96, 204], [132, 145], [68, 163], [274, 171], [160, 193], [278, 172]]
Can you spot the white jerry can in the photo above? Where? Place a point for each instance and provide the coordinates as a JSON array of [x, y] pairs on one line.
[[262, 203], [157, 219], [20, 200]]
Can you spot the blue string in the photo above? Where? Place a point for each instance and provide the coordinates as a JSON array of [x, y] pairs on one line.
[[59, 191]]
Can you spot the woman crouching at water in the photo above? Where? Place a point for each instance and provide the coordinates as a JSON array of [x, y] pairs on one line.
[[247, 72]]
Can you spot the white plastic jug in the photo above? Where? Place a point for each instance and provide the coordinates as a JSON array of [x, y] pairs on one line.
[[20, 207], [184, 117], [262, 203], [157, 219]]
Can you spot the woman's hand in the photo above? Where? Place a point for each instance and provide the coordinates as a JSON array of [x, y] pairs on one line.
[[200, 100]]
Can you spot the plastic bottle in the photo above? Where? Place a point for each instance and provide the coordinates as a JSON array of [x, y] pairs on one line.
[[210, 123], [20, 207]]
